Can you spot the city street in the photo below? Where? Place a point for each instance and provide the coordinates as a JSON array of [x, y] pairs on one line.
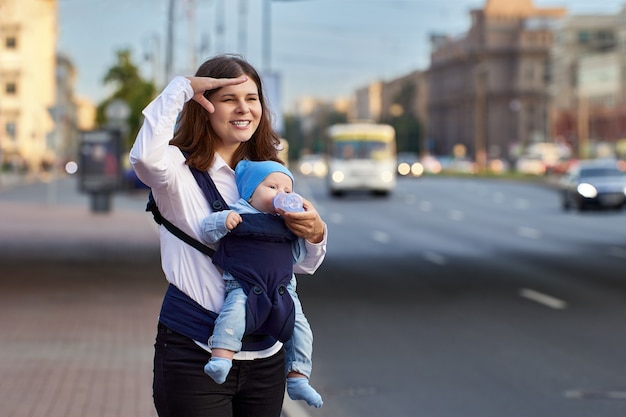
[[451, 298]]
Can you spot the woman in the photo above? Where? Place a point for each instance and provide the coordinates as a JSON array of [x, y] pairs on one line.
[[218, 117]]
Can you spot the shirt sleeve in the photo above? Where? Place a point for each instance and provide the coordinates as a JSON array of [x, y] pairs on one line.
[[313, 257], [214, 226], [148, 153]]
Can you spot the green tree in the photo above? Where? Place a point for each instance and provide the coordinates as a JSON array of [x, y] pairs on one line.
[[130, 87]]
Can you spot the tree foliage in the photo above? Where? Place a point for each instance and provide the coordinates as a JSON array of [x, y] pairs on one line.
[[130, 87]]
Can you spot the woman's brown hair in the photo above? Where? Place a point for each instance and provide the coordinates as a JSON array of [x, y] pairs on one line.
[[194, 134]]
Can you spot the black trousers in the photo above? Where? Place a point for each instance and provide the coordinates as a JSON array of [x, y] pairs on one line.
[[254, 388]]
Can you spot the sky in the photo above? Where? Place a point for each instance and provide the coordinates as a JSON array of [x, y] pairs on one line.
[[320, 48]]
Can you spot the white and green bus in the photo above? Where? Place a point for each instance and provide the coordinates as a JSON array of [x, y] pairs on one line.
[[361, 156]]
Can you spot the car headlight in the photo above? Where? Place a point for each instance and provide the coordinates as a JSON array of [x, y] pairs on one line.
[[587, 190], [319, 169], [417, 169], [305, 168], [404, 168], [337, 176]]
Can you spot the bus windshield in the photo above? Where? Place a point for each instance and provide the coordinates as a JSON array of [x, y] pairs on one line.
[[360, 149]]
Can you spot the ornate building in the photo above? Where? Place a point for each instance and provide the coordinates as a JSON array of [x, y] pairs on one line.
[[488, 90]]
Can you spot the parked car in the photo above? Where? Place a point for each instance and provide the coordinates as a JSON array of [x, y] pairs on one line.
[[593, 184], [409, 165], [530, 165], [461, 166], [431, 164]]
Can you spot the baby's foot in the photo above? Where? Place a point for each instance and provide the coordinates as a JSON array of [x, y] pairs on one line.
[[299, 389], [218, 368]]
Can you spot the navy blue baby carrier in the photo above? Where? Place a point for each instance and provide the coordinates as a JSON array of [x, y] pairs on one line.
[[265, 243]]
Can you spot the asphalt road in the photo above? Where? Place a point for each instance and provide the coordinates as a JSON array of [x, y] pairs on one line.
[[471, 298]]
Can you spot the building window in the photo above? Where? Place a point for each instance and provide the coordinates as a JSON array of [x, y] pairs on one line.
[[583, 37], [11, 130], [10, 42], [10, 88]]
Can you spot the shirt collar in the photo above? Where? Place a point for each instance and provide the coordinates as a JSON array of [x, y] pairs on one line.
[[219, 165]]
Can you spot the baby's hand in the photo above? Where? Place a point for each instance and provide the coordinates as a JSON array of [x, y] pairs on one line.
[[232, 220]]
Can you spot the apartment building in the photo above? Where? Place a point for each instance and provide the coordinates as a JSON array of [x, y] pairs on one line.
[[28, 32], [488, 89]]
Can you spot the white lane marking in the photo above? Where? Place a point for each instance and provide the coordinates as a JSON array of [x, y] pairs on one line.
[[581, 394], [435, 258], [521, 204], [546, 300], [336, 218], [617, 252], [426, 206], [457, 215], [529, 232], [498, 198], [380, 236], [410, 199]]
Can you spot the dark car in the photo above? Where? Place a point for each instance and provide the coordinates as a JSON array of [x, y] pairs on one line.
[[593, 184]]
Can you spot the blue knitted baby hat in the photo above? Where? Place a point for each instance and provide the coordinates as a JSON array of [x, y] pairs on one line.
[[249, 174]]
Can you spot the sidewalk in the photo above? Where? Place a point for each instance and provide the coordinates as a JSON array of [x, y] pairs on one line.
[[78, 309]]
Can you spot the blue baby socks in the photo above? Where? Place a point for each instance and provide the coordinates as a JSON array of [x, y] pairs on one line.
[[218, 368], [299, 389]]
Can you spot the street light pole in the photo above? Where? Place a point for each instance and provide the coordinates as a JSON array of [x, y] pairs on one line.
[[267, 34], [169, 52]]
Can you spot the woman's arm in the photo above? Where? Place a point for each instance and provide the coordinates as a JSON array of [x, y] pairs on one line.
[[148, 154]]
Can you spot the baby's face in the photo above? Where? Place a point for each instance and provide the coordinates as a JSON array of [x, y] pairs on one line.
[[263, 196]]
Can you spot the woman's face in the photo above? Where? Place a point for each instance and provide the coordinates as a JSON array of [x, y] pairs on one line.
[[237, 112]]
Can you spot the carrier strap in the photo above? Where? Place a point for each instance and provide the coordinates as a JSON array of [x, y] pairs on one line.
[[213, 196]]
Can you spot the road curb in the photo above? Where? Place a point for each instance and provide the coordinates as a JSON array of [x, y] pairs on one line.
[[293, 409]]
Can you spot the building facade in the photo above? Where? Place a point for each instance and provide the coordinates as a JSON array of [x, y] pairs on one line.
[[588, 83], [28, 33], [488, 89]]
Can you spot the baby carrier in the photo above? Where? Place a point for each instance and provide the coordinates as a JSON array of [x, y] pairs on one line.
[[264, 239]]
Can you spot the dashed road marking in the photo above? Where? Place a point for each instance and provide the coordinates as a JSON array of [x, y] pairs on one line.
[[435, 258], [426, 206], [380, 236], [529, 232], [457, 215], [544, 299]]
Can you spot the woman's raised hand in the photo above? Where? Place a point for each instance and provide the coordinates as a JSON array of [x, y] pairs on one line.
[[202, 84]]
